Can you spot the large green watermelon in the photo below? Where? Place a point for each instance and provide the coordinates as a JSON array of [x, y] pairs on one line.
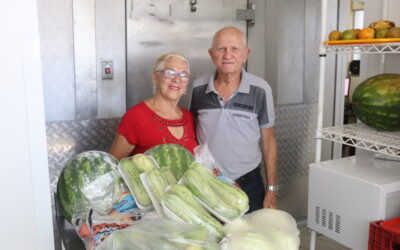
[[79, 171], [376, 102], [173, 156]]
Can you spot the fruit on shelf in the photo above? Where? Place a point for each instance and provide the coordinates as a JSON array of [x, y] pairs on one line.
[[376, 30], [335, 35], [376, 102], [381, 33], [382, 24], [393, 32], [349, 34], [366, 33]]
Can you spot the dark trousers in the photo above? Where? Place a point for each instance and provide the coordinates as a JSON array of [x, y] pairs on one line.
[[252, 184]]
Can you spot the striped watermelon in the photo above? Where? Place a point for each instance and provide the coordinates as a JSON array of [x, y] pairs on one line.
[[79, 171], [376, 102], [173, 156]]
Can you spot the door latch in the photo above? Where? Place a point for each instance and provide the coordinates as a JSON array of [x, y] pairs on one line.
[[193, 4], [247, 14]]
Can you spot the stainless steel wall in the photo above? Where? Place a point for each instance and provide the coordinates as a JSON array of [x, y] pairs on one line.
[[76, 36]]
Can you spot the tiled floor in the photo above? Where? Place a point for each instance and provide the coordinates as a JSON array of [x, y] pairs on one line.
[[322, 242]]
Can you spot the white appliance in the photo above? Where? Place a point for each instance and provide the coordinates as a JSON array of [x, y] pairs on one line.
[[346, 194]]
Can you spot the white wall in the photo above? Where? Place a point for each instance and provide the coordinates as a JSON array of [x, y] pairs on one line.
[[25, 211]]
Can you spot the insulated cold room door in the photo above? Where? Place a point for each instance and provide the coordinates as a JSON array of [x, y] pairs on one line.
[[187, 26]]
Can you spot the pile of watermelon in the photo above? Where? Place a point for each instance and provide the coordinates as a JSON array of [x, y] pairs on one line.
[[86, 167], [376, 102]]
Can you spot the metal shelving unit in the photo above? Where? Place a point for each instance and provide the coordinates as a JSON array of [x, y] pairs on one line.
[[360, 136], [377, 48], [357, 135]]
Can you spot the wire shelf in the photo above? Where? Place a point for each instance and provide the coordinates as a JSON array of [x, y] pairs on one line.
[[363, 48], [360, 136]]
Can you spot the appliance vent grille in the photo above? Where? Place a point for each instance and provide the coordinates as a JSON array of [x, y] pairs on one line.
[[330, 221], [327, 219], [317, 214], [323, 218], [337, 224]]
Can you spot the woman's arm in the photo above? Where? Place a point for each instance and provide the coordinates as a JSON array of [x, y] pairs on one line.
[[120, 147]]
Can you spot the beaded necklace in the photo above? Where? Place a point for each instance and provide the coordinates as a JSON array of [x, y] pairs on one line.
[[169, 123]]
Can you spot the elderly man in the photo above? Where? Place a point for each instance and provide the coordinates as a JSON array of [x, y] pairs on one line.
[[234, 110]]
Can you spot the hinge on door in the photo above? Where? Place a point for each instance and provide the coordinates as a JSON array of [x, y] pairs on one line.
[[247, 14]]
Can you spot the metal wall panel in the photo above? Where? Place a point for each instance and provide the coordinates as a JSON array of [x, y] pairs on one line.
[[85, 59], [110, 46], [285, 49], [157, 27], [57, 51], [295, 130]]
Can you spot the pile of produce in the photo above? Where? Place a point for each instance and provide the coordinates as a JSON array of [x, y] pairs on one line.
[[376, 102], [376, 30], [190, 203]]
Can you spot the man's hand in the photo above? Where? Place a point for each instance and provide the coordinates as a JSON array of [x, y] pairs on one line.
[[270, 199]]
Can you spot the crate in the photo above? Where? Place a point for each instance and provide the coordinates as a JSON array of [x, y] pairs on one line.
[[384, 235]]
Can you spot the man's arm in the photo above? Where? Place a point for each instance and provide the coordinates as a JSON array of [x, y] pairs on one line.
[[269, 151]]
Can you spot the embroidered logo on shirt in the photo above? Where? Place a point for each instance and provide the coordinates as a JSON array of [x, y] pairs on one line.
[[241, 116]]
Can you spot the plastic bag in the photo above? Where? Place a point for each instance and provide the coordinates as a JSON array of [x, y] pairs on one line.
[[104, 191], [204, 157], [272, 229], [95, 227], [160, 234]]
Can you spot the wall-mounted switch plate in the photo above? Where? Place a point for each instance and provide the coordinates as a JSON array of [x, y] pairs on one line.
[[107, 70]]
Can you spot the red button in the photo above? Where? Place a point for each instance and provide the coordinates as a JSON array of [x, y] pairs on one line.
[[108, 71]]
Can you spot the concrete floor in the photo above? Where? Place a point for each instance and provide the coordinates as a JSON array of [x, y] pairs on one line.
[[322, 242]]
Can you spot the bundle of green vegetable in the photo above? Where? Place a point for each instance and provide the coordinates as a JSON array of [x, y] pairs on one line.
[[130, 169], [180, 204], [155, 182], [159, 234], [222, 199]]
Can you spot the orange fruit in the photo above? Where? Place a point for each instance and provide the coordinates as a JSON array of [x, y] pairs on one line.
[[335, 35], [366, 33]]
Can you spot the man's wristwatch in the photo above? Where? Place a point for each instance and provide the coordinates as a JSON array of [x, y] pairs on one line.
[[273, 188]]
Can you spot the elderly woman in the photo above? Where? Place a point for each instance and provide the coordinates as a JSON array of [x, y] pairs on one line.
[[158, 119]]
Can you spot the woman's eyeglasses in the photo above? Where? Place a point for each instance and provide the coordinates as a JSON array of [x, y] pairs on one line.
[[171, 74]]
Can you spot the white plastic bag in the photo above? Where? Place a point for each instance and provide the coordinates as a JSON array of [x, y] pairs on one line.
[[273, 229], [160, 234]]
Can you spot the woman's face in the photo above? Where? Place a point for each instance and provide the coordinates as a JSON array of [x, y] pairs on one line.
[[168, 85]]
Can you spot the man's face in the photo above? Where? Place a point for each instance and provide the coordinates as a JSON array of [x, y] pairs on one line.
[[229, 52]]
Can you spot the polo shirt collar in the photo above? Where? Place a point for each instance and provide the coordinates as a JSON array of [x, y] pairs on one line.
[[244, 86]]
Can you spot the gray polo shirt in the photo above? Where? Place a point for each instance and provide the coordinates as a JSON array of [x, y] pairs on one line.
[[232, 128]]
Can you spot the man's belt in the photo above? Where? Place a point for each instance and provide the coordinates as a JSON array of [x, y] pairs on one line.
[[247, 178]]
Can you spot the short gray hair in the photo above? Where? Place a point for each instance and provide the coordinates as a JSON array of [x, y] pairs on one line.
[[160, 62], [238, 31]]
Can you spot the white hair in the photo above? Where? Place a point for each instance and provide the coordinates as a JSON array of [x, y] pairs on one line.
[[160, 62]]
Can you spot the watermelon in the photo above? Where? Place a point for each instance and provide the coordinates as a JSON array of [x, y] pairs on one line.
[[79, 171], [172, 156], [376, 102]]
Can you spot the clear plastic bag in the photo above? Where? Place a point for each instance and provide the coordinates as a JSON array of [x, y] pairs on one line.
[[95, 227], [204, 157], [104, 191], [160, 234]]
